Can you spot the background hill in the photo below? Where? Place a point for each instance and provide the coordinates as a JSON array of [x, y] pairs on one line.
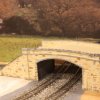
[[70, 18]]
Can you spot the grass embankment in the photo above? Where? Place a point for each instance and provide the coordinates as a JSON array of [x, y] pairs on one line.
[[10, 47]]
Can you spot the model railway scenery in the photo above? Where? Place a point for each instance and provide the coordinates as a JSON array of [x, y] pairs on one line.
[[71, 74], [49, 49]]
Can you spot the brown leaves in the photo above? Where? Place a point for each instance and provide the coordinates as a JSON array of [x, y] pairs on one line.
[[62, 17], [7, 8], [80, 17]]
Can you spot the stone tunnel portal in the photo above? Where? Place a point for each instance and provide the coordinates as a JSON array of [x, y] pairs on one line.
[[46, 67]]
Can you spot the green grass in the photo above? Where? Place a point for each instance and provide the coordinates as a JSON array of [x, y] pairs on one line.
[[10, 47]]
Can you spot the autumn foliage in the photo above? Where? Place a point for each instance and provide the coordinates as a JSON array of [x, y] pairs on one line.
[[7, 8], [71, 18]]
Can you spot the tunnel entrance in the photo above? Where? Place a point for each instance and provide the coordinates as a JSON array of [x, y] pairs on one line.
[[62, 77], [55, 66], [45, 67]]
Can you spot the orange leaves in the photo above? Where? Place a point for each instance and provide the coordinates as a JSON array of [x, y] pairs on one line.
[[7, 8]]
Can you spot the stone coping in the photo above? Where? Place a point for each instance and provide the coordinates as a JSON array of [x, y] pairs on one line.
[[3, 63]]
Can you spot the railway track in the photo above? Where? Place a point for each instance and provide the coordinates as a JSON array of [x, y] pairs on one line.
[[42, 86], [66, 87]]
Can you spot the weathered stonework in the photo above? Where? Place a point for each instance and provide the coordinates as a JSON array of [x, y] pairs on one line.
[[88, 59]]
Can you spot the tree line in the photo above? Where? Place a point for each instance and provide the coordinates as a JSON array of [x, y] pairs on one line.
[[70, 18]]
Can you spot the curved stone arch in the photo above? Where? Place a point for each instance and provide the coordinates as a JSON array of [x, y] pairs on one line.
[[71, 60]]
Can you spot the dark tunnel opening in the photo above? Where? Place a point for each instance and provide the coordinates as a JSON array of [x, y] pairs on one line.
[[45, 67], [56, 66]]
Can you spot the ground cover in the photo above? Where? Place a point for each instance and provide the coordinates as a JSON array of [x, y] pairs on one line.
[[11, 46]]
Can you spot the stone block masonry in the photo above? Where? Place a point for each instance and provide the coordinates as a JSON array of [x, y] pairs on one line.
[[87, 58]]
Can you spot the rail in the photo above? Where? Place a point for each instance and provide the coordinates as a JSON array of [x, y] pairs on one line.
[[41, 87], [66, 87]]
